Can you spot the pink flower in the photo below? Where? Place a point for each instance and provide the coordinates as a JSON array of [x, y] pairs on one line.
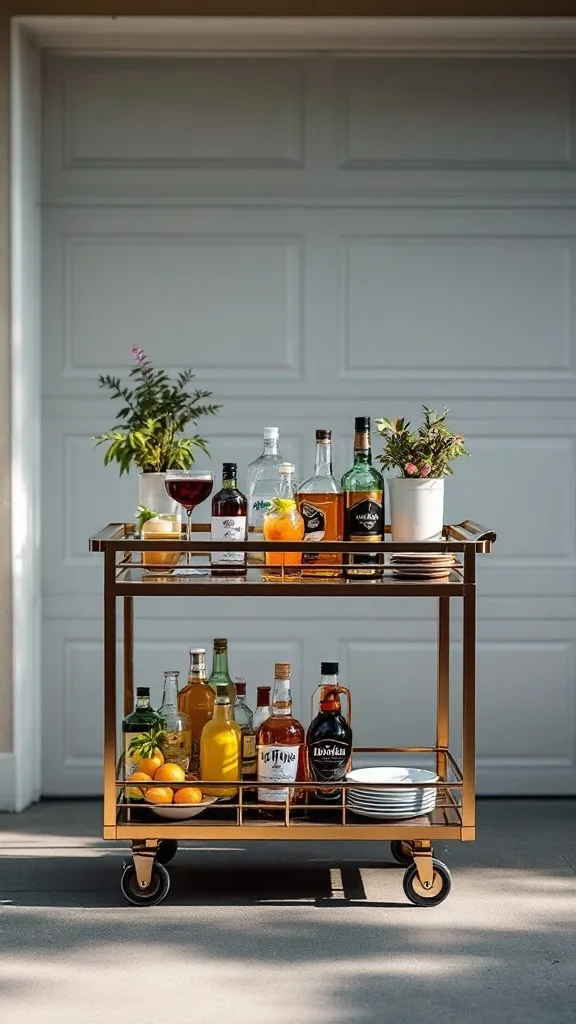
[[138, 354], [410, 469], [425, 470]]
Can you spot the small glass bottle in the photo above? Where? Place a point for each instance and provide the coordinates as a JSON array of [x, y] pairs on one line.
[[280, 746], [196, 700], [262, 485], [283, 521], [220, 673], [263, 706], [220, 747], [321, 504], [363, 503], [243, 717], [229, 523], [141, 733], [176, 742]]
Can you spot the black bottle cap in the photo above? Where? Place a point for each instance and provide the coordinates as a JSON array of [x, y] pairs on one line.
[[361, 423], [229, 470], [323, 435], [329, 668], [142, 691]]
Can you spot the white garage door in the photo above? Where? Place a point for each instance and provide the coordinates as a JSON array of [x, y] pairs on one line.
[[321, 239]]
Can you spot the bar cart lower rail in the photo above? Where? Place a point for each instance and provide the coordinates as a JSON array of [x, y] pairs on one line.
[[145, 881]]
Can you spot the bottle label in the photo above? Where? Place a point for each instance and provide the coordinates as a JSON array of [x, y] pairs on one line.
[[231, 528], [328, 762], [248, 753], [314, 528], [257, 506], [364, 522], [276, 764]]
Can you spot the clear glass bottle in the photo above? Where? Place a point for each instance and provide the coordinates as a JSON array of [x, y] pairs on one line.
[[280, 745], [243, 717], [262, 485], [229, 523], [220, 747], [321, 504], [282, 521], [328, 739], [141, 734], [176, 742], [363, 503], [196, 700], [263, 706], [220, 673]]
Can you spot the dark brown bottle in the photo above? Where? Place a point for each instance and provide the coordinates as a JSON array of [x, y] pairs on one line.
[[328, 741], [229, 523]]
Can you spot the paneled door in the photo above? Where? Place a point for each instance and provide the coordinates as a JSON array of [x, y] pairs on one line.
[[320, 239]]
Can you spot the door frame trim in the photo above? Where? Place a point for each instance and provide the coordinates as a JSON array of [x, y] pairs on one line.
[[439, 37]]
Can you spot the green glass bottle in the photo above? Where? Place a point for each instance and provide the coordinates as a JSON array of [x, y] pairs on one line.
[[220, 672], [363, 488]]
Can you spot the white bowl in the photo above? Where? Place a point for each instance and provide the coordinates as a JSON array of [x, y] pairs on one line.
[[179, 812]]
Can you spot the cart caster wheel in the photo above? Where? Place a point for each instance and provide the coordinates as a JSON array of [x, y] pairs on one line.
[[166, 851], [156, 891], [402, 852], [441, 885]]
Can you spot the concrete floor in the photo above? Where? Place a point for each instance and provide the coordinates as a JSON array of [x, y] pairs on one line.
[[294, 933]]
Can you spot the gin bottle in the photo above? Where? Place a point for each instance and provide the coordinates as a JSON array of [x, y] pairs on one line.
[[263, 484]]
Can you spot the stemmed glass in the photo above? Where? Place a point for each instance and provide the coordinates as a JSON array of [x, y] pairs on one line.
[[190, 487]]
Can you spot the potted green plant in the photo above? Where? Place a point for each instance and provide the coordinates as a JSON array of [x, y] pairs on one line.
[[149, 432], [422, 458]]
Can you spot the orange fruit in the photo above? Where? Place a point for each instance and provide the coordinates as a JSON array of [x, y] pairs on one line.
[[159, 795], [149, 765], [137, 794], [188, 795], [170, 773]]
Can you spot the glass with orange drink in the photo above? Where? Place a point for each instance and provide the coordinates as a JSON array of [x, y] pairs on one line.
[[283, 521]]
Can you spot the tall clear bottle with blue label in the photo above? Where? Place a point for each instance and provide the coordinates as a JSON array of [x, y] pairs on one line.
[[263, 484]]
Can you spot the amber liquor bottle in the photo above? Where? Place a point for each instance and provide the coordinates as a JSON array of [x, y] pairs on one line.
[[363, 488], [280, 746], [320, 503]]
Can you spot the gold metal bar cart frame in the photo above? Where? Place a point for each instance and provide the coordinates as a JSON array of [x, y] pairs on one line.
[[125, 577]]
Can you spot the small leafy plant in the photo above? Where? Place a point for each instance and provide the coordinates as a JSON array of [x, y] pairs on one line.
[[153, 418], [427, 451]]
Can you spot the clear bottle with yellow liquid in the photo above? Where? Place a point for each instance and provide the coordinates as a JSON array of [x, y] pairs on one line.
[[221, 747], [196, 700]]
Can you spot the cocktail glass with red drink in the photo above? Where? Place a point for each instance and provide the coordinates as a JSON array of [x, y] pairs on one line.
[[190, 487]]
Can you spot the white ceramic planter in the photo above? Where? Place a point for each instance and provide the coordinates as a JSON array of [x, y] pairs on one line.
[[416, 508], [152, 494]]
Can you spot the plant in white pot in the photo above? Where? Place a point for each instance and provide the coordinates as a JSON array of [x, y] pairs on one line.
[[149, 433], [422, 458]]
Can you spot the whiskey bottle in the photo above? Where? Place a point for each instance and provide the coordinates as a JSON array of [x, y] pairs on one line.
[[244, 718], [176, 741], [220, 673], [280, 746], [363, 503], [328, 740], [229, 523], [321, 504], [196, 700], [263, 484]]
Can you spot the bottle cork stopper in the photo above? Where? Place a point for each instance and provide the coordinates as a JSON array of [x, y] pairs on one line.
[[282, 670]]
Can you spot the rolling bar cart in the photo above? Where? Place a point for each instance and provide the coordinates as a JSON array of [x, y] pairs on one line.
[[145, 880]]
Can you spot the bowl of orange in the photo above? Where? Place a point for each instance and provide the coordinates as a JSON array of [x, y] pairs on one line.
[[173, 800]]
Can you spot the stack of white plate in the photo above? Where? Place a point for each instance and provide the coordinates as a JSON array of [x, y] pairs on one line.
[[422, 564], [403, 801]]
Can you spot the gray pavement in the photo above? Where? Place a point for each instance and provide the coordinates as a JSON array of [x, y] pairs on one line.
[[289, 933]]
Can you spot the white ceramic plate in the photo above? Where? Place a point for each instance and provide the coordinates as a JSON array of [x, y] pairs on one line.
[[179, 812], [393, 815], [402, 776], [369, 796], [392, 803], [424, 804]]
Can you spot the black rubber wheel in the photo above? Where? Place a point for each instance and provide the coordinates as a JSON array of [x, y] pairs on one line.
[[167, 850], [156, 891], [402, 852], [441, 885]]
